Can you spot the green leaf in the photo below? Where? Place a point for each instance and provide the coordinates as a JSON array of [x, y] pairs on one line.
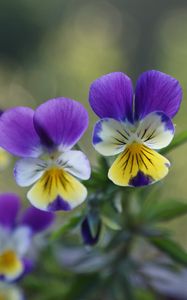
[[110, 217], [150, 231], [121, 288], [117, 203], [103, 164], [98, 180], [170, 248], [83, 287], [179, 140], [71, 224], [142, 294], [112, 224], [163, 211]]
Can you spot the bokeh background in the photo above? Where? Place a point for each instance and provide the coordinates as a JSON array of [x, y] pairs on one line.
[[57, 48]]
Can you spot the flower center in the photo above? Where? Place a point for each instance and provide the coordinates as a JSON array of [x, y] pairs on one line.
[[135, 148], [10, 265], [7, 260], [52, 156], [53, 178], [134, 156], [3, 297]]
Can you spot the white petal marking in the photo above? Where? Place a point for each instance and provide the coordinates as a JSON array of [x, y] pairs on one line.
[[156, 130], [111, 136], [75, 163], [21, 239], [29, 170]]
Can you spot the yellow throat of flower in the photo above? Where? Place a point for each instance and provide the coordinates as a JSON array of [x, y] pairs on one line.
[[10, 263], [56, 183], [138, 160]]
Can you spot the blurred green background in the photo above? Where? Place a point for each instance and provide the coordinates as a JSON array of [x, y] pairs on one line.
[[57, 48]]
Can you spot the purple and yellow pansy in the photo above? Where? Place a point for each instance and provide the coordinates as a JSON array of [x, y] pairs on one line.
[[16, 233], [135, 126], [44, 138]]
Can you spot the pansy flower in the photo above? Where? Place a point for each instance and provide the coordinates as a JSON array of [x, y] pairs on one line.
[[16, 233], [135, 126], [9, 291], [44, 138]]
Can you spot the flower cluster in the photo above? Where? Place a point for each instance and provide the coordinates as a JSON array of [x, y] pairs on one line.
[[134, 126]]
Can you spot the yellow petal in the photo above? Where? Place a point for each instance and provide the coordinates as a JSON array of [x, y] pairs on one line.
[[57, 190], [138, 165], [10, 265]]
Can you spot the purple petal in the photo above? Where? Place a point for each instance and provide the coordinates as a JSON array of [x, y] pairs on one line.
[[140, 180], [17, 133], [59, 204], [111, 96], [9, 208], [97, 129], [156, 91], [28, 267], [36, 219], [60, 122]]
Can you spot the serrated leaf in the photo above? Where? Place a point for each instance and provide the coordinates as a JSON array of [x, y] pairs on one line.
[[170, 248], [71, 224], [178, 140]]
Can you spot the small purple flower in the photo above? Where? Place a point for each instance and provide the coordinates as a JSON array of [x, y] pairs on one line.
[[16, 235], [135, 126], [44, 138]]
